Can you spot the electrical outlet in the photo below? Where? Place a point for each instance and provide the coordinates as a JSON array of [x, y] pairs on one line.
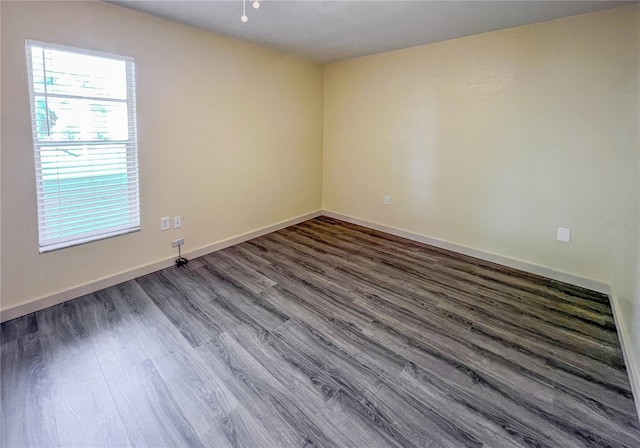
[[178, 242], [564, 235], [177, 222], [387, 200], [165, 223]]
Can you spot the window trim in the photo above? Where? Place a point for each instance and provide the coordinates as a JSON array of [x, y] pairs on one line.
[[131, 144]]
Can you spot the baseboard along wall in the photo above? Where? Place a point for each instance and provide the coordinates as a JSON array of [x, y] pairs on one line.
[[631, 360], [106, 282], [531, 268]]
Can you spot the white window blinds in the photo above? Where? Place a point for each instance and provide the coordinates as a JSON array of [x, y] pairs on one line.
[[83, 117]]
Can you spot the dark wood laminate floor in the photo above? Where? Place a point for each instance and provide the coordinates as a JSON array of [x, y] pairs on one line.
[[322, 334]]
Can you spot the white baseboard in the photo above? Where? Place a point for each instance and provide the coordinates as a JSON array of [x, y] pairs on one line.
[[251, 235], [526, 266], [106, 282], [631, 360]]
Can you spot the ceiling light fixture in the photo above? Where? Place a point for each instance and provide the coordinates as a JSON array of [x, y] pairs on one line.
[[244, 17], [256, 5]]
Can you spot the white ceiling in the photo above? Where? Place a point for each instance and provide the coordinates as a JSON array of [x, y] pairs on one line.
[[336, 30]]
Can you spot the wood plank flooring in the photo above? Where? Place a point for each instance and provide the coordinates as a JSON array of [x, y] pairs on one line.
[[323, 334]]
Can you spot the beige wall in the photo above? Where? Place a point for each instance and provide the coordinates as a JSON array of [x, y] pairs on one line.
[[230, 137], [496, 140]]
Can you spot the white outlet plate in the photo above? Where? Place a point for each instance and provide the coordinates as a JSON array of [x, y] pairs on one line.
[[177, 222], [387, 200], [165, 223], [564, 235]]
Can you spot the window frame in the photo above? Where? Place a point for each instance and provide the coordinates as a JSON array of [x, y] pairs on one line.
[[47, 243]]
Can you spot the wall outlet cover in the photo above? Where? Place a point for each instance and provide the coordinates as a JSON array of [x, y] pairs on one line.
[[564, 235], [165, 223]]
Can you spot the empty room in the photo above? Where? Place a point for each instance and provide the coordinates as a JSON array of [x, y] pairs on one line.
[[320, 223]]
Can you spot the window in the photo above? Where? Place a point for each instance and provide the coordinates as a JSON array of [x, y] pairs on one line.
[[83, 116]]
